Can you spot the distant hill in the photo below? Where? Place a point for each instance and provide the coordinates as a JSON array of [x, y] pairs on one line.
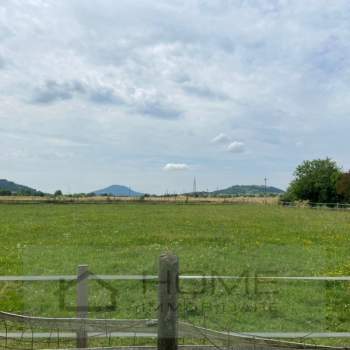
[[118, 190], [13, 188], [246, 190]]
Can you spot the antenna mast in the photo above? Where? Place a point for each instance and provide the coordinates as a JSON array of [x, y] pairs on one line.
[[194, 185]]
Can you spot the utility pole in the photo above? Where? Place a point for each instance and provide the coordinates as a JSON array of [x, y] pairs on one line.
[[265, 192], [194, 186]]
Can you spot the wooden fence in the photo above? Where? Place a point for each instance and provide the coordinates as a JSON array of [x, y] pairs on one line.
[[168, 287]]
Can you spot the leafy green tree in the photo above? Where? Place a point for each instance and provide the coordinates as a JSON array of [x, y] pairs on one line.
[[5, 192], [58, 193], [315, 181], [343, 187]]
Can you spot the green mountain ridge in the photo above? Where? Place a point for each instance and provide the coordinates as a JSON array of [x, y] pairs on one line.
[[249, 190], [9, 187]]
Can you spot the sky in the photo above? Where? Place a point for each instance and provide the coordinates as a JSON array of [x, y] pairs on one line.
[[149, 94]]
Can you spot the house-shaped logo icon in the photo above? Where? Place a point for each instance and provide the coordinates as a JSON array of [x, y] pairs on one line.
[[65, 285]]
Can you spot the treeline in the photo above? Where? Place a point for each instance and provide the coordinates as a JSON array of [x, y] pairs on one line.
[[224, 195], [22, 193], [58, 193], [319, 181]]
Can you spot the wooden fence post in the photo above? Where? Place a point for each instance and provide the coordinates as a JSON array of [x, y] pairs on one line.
[[167, 295], [82, 304]]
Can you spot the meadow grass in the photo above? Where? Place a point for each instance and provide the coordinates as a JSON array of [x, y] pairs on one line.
[[127, 238]]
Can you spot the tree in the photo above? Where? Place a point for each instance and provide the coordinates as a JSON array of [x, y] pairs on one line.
[[343, 187], [315, 181], [5, 192], [58, 193]]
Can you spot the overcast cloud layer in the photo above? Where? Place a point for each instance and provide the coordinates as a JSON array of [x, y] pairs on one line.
[[94, 93]]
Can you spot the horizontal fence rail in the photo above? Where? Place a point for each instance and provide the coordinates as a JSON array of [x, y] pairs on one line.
[[272, 335], [48, 278]]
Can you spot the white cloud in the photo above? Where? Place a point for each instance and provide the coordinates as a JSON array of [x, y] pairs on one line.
[[175, 167], [236, 147], [221, 138]]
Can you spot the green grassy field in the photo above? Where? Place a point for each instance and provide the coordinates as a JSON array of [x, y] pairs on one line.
[[209, 239]]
